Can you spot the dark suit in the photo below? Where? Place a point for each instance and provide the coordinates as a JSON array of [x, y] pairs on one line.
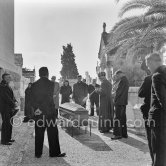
[[157, 114], [7, 105], [80, 91], [42, 98], [28, 110], [145, 92], [120, 102]]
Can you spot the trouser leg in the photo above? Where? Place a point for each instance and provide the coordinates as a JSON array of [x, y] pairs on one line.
[[157, 146], [53, 139], [123, 121], [97, 107], [148, 135], [40, 126], [92, 107], [6, 128], [10, 128], [117, 121]]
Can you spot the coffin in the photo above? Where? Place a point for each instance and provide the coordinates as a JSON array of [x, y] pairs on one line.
[[75, 113]]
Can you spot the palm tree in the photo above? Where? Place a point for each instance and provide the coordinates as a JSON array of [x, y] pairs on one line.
[[140, 35]]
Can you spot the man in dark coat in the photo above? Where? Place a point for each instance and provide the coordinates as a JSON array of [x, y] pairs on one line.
[[94, 97], [45, 115], [145, 92], [80, 92], [120, 102], [65, 91], [106, 104], [7, 106], [157, 113], [28, 111]]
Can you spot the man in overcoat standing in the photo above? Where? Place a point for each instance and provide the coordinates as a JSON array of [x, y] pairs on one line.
[[45, 115], [157, 113], [120, 102], [7, 107]]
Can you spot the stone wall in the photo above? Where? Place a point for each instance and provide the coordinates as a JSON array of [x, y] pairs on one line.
[[134, 114], [7, 35]]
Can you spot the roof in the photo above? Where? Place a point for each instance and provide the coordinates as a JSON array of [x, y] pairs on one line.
[[104, 40]]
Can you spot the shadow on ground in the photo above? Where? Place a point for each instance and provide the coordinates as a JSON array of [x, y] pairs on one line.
[[45, 160], [132, 142], [92, 141]]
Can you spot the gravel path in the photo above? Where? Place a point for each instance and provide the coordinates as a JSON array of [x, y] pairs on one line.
[[95, 150]]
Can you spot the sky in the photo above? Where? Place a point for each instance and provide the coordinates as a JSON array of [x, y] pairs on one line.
[[42, 27]]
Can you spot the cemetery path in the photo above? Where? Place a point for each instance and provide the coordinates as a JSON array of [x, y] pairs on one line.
[[97, 149]]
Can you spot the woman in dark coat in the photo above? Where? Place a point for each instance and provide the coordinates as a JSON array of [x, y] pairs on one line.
[[28, 108], [65, 91]]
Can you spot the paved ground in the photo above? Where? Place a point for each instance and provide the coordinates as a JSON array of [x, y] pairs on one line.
[[12, 155], [97, 149], [82, 149]]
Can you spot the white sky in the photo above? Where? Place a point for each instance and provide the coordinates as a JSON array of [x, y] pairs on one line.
[[42, 27]]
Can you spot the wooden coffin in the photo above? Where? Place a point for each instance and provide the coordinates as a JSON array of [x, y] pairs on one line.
[[75, 113]]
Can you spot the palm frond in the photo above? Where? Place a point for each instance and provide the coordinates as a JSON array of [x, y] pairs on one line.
[[135, 4], [122, 22], [160, 9]]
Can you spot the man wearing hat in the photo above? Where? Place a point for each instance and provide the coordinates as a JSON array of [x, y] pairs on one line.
[[80, 92], [106, 104]]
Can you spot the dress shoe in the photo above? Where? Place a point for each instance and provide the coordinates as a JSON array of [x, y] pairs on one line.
[[104, 131], [60, 155], [125, 136], [11, 140], [6, 143], [38, 156], [116, 137], [26, 119]]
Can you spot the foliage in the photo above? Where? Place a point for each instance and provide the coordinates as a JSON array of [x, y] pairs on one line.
[[134, 73], [69, 68], [140, 35]]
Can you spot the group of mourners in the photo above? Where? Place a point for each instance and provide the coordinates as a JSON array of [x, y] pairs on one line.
[[110, 101]]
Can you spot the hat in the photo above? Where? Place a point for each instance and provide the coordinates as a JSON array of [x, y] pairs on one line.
[[102, 74], [118, 72]]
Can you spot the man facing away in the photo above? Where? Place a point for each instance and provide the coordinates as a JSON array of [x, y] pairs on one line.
[[7, 106], [80, 91], [56, 92], [145, 92], [157, 113], [45, 115], [120, 102], [106, 104], [94, 97]]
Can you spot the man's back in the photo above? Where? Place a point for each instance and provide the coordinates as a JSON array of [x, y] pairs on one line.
[[145, 92], [42, 96], [158, 103]]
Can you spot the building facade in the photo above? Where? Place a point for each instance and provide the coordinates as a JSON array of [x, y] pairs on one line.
[[106, 58], [30, 74], [9, 62]]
